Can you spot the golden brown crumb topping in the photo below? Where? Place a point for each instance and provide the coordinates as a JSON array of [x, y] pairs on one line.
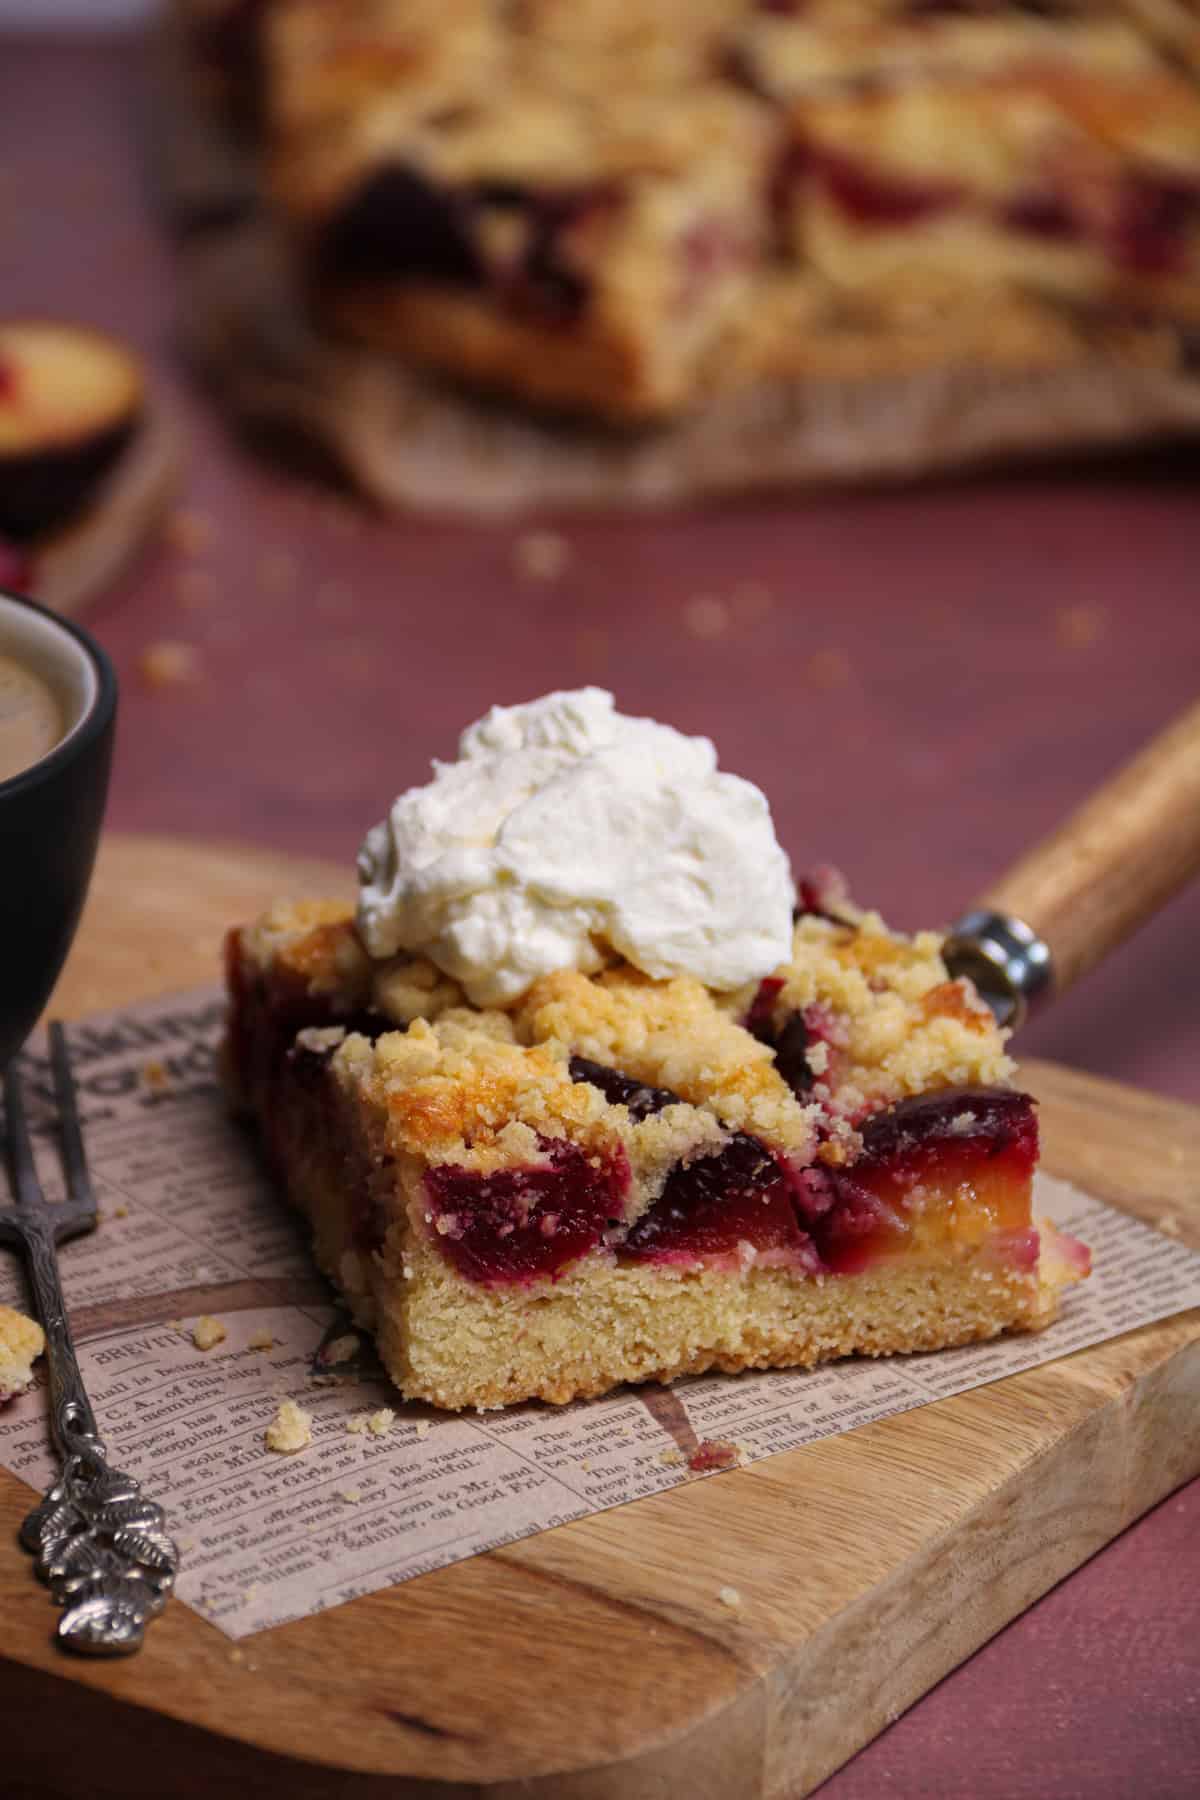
[[308, 938], [670, 1034], [480, 1087], [461, 1091], [897, 1023]]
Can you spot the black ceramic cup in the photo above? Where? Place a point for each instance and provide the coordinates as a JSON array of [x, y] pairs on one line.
[[50, 813]]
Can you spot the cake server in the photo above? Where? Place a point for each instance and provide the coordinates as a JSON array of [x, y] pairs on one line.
[[1087, 887]]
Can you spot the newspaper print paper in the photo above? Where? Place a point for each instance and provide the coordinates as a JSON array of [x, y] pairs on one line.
[[190, 1227]]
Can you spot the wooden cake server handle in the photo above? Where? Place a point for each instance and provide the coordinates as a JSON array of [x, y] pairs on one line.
[[1088, 886]]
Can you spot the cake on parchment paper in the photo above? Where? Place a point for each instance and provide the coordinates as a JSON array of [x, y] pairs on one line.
[[586, 1094]]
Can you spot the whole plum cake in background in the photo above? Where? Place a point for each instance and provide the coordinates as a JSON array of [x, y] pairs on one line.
[[586, 1092], [622, 209]]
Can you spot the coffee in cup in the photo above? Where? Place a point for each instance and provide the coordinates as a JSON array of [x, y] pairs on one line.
[[31, 717]]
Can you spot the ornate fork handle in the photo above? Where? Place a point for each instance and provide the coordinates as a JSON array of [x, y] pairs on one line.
[[99, 1543]]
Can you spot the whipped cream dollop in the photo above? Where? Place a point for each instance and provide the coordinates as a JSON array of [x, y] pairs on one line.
[[567, 834]]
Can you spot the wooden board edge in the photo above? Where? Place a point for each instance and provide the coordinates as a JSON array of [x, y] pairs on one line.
[[776, 1737], [1160, 1187], [1078, 1479]]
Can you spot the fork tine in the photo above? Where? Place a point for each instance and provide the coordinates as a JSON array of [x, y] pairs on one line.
[[27, 1189], [70, 1135]]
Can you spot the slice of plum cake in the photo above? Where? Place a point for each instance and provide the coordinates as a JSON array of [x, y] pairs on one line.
[[622, 1179]]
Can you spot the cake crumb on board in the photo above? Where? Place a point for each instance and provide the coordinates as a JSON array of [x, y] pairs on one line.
[[189, 532], [541, 555], [208, 1332], [1080, 627], [706, 616], [377, 1423], [290, 1430], [169, 663]]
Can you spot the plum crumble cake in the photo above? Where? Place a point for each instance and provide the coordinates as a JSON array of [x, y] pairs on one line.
[[610, 1175], [22, 1341], [614, 207], [621, 1179]]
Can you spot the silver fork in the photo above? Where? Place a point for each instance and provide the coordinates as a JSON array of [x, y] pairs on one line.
[[99, 1544]]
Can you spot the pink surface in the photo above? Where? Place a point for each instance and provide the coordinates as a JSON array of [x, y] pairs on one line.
[[923, 683]]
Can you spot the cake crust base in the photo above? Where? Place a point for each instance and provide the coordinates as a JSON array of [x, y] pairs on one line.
[[599, 1327]]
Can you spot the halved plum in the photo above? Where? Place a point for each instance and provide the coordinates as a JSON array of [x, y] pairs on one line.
[[518, 1224], [741, 1195], [70, 400], [710, 1208], [948, 1166]]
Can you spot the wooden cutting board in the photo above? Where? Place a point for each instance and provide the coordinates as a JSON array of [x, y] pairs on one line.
[[595, 1662]]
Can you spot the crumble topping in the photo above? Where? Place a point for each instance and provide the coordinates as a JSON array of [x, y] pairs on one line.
[[458, 1095], [902, 1025], [479, 1086], [409, 987], [207, 1332], [314, 941], [670, 1034]]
